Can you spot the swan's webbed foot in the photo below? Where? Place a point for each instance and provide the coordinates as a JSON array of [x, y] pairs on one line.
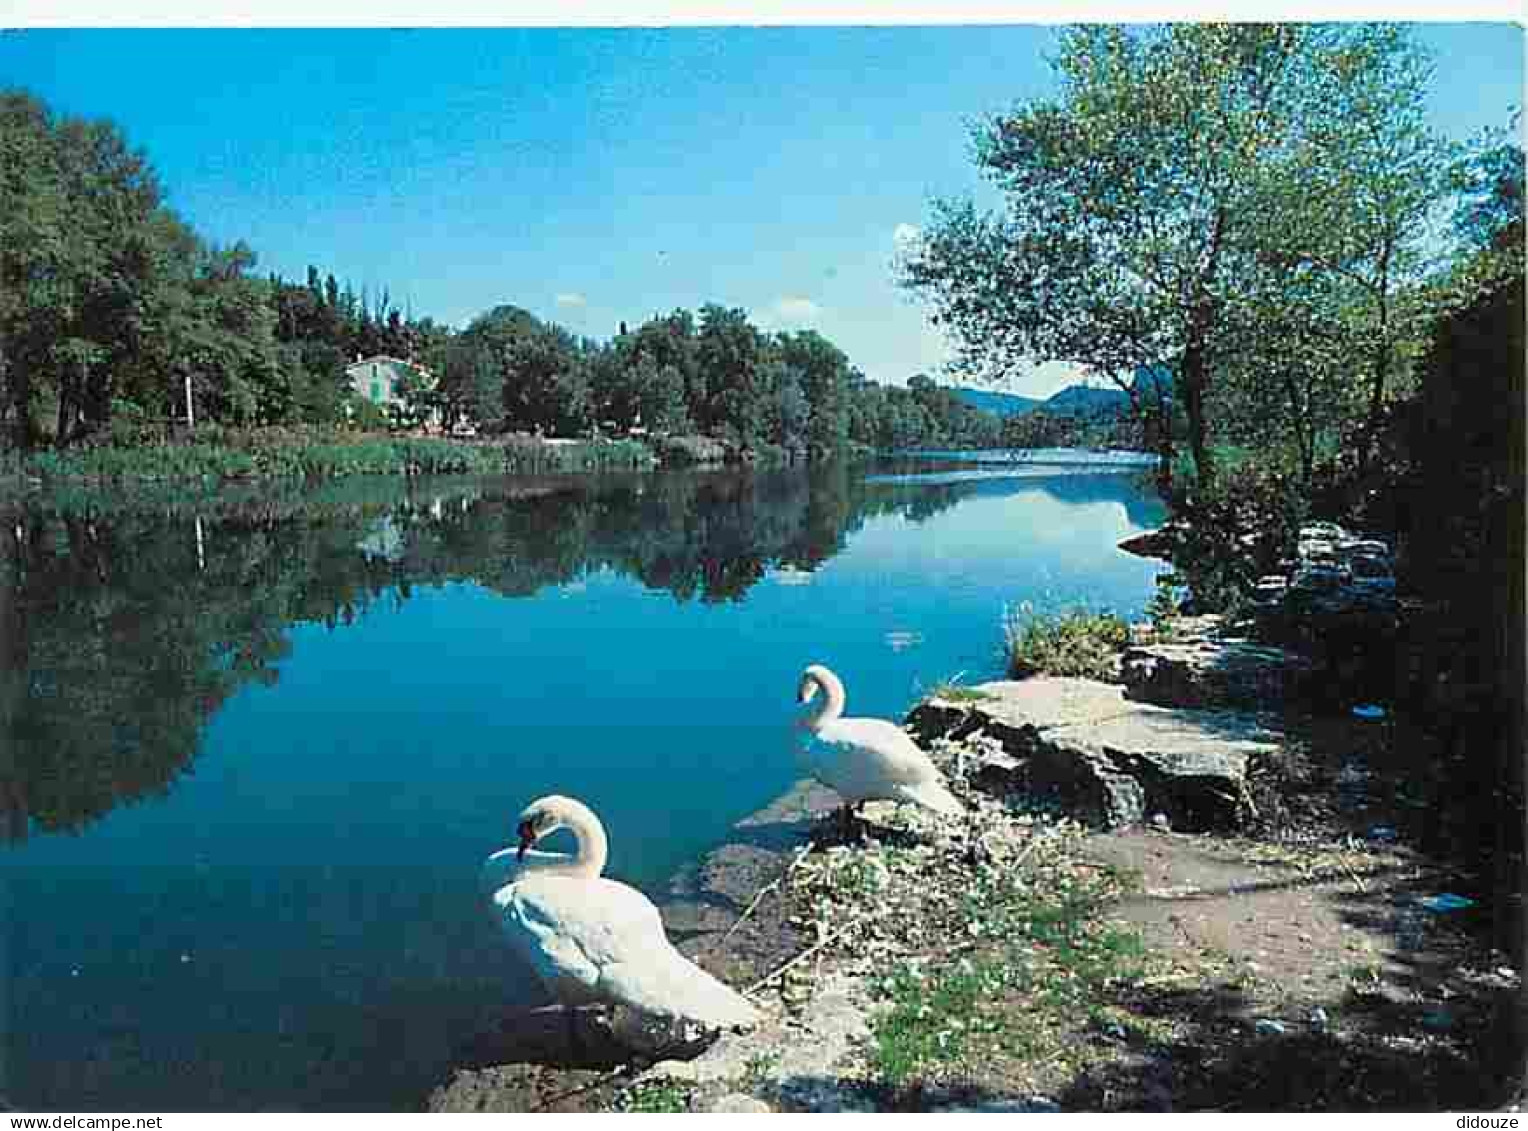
[[576, 1047], [849, 823]]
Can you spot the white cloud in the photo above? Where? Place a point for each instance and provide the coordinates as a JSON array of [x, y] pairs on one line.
[[791, 310], [795, 306], [571, 298]]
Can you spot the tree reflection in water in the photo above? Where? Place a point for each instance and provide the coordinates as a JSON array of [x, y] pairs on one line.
[[127, 621]]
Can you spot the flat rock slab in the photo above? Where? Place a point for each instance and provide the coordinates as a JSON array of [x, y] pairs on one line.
[[1210, 673], [1110, 760]]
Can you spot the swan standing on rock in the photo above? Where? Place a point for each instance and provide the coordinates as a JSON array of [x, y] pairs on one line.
[[868, 759], [593, 940]]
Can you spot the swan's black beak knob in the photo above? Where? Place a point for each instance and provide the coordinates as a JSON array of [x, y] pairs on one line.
[[527, 838]]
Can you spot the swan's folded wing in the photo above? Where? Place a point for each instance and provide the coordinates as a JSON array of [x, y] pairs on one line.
[[607, 921], [666, 984], [507, 866], [899, 761], [536, 921], [610, 938]]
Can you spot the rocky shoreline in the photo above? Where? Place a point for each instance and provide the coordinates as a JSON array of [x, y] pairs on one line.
[[807, 931], [937, 965], [809, 923]]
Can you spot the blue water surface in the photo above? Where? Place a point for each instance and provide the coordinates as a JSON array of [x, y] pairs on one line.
[[264, 742]]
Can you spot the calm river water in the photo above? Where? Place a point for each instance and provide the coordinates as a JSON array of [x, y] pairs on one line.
[[257, 743]]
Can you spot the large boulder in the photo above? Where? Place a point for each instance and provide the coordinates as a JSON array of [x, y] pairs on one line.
[[1107, 759], [1156, 543], [1209, 672], [1339, 605]]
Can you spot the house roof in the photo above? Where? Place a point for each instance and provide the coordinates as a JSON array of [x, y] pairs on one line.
[[376, 357]]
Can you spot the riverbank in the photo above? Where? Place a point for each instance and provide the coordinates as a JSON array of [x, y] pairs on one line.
[[276, 453], [1311, 959], [294, 454]]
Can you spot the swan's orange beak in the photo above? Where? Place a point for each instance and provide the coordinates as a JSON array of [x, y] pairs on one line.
[[527, 838]]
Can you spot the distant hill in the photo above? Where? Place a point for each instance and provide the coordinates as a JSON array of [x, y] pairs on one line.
[[1078, 399], [1074, 400], [1002, 404], [1146, 376]]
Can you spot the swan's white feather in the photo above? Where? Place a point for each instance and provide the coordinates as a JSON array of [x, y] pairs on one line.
[[875, 760], [506, 866], [593, 940]]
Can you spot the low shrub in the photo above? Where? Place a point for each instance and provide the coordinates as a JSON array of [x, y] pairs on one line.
[[1227, 535], [1075, 643]]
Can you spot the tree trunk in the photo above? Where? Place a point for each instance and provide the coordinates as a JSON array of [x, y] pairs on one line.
[[1164, 438], [65, 407], [1193, 377], [1305, 433], [18, 391], [1381, 368], [1376, 395]]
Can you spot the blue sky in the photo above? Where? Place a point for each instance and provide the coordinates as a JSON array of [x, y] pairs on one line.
[[594, 176]]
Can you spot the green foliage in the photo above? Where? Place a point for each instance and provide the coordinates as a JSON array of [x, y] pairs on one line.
[[1075, 643], [759, 1070], [269, 453], [663, 1097], [523, 455], [109, 302], [1234, 531], [130, 425], [363, 415], [1159, 210], [934, 1018], [1164, 605]]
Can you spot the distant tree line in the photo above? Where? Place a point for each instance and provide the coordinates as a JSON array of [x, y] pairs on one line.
[[118, 321]]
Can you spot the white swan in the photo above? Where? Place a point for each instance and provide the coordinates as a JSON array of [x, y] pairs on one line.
[[593, 940], [868, 759]]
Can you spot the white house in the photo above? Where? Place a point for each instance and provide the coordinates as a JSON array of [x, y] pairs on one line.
[[378, 379]]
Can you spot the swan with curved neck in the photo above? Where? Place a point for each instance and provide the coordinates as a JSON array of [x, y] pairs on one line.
[[556, 812], [595, 940], [867, 759], [815, 678]]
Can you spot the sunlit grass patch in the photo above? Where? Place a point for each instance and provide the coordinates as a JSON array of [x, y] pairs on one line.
[[1042, 963], [937, 1018], [662, 1096], [1076, 643], [958, 693]]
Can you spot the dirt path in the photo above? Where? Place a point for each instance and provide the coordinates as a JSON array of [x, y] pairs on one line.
[[1305, 978]]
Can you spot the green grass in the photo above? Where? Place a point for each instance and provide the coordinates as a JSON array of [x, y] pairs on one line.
[[1076, 643], [527, 456], [1047, 965], [655, 1097], [957, 693], [936, 1018], [304, 454], [759, 1070]]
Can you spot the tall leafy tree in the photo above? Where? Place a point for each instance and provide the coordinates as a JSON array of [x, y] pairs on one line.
[[1141, 204], [824, 374], [729, 350], [1382, 174]]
